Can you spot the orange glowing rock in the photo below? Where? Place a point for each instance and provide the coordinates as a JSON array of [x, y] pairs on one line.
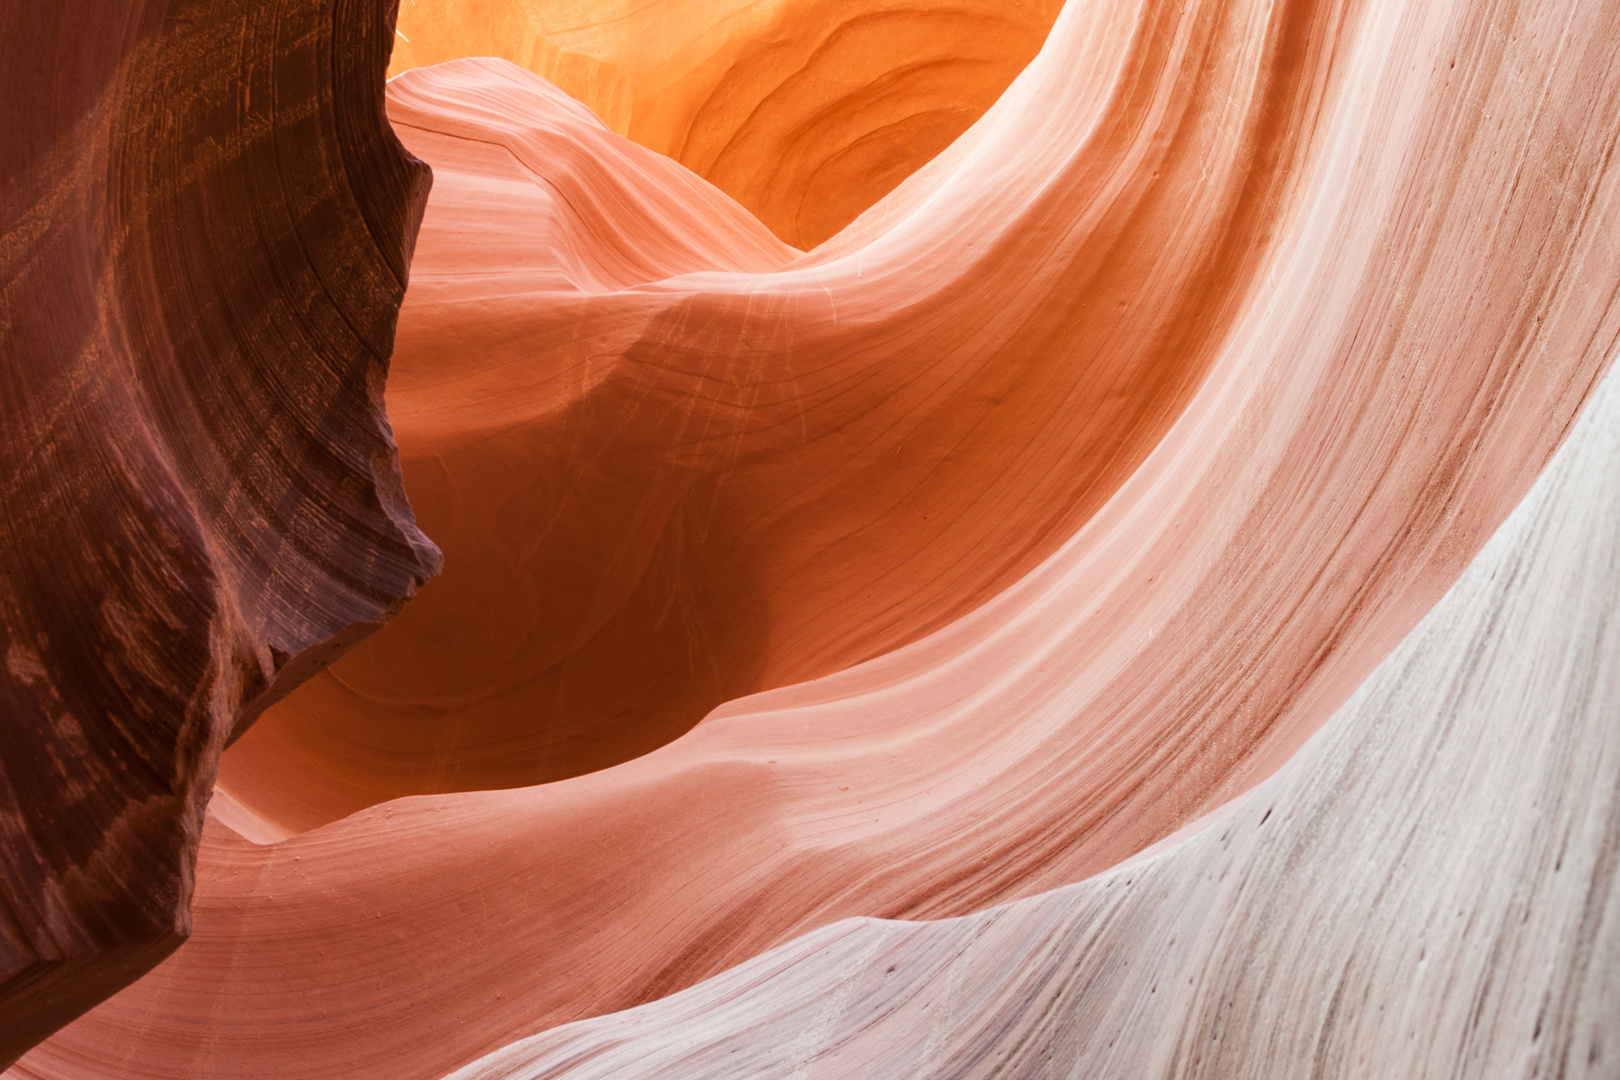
[[804, 111]]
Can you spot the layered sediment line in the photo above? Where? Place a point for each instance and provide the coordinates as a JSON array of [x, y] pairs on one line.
[[1060, 499], [205, 227]]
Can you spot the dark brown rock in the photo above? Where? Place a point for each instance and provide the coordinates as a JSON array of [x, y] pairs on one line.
[[205, 230]]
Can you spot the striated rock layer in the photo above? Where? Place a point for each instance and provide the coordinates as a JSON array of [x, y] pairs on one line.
[[1052, 504], [804, 111], [205, 226], [1431, 887]]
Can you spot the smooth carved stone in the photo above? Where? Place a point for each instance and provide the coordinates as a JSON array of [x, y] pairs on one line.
[[1151, 441], [804, 111], [205, 225], [1431, 887]]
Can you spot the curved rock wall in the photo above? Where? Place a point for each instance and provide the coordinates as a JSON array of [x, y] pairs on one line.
[[206, 228]]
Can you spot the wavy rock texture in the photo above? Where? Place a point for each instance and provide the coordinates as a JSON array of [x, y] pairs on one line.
[[804, 111], [205, 225], [1431, 887], [1054, 503]]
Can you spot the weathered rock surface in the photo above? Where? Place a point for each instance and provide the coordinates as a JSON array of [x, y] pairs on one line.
[[1053, 504], [205, 225]]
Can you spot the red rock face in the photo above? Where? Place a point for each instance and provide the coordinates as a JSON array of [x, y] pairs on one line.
[[1043, 510], [207, 226]]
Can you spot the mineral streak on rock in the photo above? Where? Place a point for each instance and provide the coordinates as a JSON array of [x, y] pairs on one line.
[[1052, 504], [804, 111], [205, 227]]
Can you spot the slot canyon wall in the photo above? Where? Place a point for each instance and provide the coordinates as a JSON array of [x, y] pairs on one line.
[[978, 540]]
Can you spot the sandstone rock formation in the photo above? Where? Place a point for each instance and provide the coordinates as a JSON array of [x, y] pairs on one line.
[[205, 228], [1017, 530]]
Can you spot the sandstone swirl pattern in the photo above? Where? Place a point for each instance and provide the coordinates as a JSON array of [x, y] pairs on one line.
[[1042, 512]]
